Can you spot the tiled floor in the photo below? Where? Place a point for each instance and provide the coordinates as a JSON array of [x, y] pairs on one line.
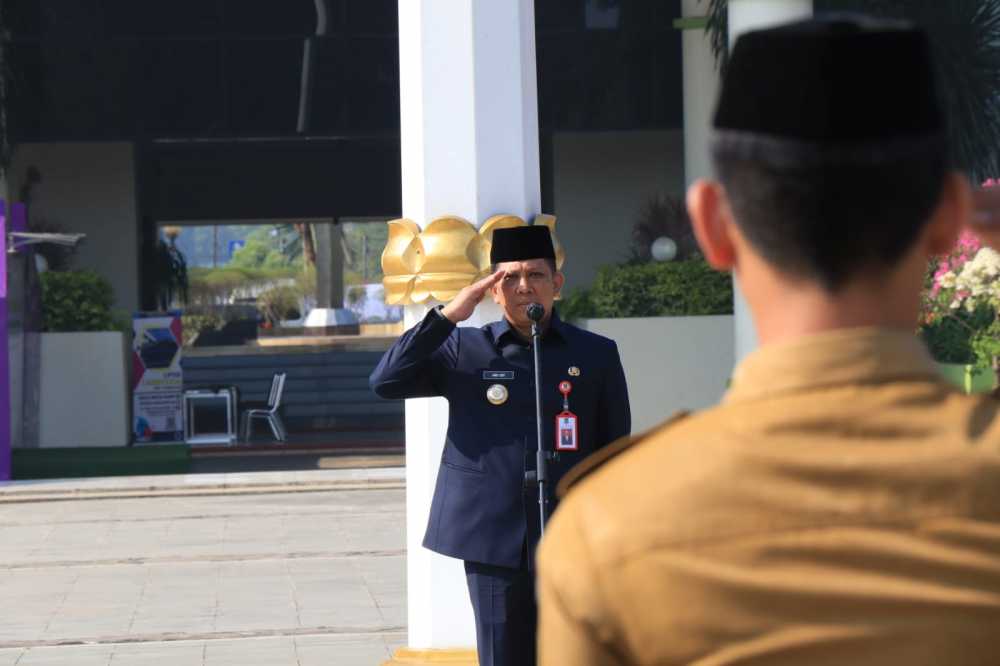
[[284, 578]]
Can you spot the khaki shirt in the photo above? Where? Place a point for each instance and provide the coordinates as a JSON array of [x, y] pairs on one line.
[[841, 506]]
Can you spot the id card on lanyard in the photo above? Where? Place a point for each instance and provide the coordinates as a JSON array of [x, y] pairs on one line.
[[567, 430]]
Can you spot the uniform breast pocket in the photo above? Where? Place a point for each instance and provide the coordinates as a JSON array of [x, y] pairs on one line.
[[464, 468]]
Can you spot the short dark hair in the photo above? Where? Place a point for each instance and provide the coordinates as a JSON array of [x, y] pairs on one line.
[[550, 262], [831, 221]]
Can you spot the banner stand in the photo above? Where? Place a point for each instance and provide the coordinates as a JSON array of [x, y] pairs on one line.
[[157, 378]]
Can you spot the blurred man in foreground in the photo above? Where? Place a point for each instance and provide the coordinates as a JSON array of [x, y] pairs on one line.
[[842, 504]]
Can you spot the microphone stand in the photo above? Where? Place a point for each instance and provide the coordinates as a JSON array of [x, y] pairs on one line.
[[541, 455]]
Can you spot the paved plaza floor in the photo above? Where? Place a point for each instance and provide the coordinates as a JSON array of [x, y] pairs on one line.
[[300, 569]]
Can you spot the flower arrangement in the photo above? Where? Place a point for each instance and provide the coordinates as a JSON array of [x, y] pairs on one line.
[[961, 304]]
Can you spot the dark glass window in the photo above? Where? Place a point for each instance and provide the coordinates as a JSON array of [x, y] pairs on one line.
[[599, 78], [23, 18], [247, 18], [25, 90], [183, 93], [263, 79], [115, 68], [357, 85], [559, 14], [602, 14], [159, 18], [379, 17]]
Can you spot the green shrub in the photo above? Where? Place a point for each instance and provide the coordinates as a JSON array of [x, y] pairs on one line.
[[215, 286], [279, 303], [78, 301], [677, 288], [194, 323], [576, 305], [954, 338]]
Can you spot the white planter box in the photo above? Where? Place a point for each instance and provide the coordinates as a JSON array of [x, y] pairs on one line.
[[84, 390], [671, 363]]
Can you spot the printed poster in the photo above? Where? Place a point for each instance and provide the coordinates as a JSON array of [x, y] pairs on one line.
[[157, 378]]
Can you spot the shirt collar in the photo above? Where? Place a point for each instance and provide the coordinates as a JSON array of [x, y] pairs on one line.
[[556, 330], [845, 356]]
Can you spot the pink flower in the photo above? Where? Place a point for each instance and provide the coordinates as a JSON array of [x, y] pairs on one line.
[[969, 242]]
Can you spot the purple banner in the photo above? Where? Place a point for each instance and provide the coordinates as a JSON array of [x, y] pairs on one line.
[[18, 217], [4, 360], [3, 273]]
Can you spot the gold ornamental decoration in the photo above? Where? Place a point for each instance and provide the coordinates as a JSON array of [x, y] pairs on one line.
[[450, 253]]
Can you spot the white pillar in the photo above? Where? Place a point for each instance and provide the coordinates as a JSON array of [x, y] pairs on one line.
[[701, 84], [469, 134], [746, 15]]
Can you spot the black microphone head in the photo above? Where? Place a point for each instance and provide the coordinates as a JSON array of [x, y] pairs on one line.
[[535, 312]]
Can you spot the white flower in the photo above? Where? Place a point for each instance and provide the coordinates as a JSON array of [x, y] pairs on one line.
[[978, 277]]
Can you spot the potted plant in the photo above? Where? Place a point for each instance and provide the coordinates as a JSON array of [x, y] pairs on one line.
[[83, 384], [960, 321], [662, 217]]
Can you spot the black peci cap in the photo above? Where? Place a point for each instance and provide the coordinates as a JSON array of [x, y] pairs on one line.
[[842, 83], [521, 243]]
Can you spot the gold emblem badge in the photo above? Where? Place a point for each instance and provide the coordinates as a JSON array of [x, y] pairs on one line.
[[497, 394], [573, 371]]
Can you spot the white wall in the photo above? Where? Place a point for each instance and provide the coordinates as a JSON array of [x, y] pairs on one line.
[[89, 188], [671, 363], [602, 180], [84, 396]]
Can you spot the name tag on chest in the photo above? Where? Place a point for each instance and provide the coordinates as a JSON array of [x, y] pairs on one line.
[[498, 375]]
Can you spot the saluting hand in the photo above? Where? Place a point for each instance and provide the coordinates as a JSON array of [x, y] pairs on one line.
[[986, 215], [463, 305]]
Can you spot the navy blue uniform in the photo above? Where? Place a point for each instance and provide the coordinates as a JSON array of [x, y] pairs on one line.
[[482, 511]]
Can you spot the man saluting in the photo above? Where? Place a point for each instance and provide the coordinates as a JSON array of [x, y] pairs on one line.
[[483, 511]]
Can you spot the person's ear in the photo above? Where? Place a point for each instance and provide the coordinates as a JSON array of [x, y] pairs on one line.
[[712, 221], [953, 210], [558, 280]]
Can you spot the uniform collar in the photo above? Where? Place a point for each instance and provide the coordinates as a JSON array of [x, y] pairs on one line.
[[556, 330], [845, 356]]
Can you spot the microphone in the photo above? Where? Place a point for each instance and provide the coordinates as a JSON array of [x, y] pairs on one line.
[[535, 312]]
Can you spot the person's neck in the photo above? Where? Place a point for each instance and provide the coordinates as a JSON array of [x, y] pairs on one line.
[[785, 310]]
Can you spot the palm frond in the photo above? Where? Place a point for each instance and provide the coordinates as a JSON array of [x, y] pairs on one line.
[[966, 38], [662, 216], [968, 43], [718, 30]]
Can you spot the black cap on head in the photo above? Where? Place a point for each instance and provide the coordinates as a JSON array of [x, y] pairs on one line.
[[521, 244], [844, 82]]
